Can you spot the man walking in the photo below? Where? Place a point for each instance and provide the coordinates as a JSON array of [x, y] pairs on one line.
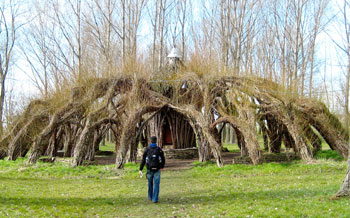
[[154, 159]]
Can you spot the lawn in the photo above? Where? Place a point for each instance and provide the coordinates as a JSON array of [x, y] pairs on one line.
[[267, 190], [108, 146]]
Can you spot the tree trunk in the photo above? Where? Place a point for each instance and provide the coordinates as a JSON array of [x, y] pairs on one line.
[[52, 147], [128, 134], [265, 135], [155, 129], [203, 149], [288, 140], [94, 146], [67, 144], [334, 137], [231, 135], [314, 140], [3, 153], [227, 134], [116, 129], [42, 139], [295, 130], [23, 140], [127, 138], [241, 143], [345, 188], [2, 102], [84, 141], [89, 137], [203, 127], [98, 137], [274, 133], [275, 143], [248, 130], [253, 146], [132, 153], [4, 142]]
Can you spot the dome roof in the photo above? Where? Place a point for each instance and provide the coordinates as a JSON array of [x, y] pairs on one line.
[[174, 53]]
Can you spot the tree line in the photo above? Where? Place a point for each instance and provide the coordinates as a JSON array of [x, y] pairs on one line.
[[65, 41]]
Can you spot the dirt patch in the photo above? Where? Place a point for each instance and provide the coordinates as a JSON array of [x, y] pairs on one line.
[[170, 164]]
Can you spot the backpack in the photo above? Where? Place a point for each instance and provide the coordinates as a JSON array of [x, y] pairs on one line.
[[153, 159]]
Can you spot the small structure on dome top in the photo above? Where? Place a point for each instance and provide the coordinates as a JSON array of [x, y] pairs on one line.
[[173, 130], [174, 59], [175, 55]]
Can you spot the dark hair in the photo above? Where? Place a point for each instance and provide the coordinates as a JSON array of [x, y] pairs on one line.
[[154, 139]]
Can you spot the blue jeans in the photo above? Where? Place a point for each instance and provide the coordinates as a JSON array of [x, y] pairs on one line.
[[153, 185]]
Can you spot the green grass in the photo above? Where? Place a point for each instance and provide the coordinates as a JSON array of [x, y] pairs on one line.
[[328, 154], [232, 147], [109, 146], [267, 190]]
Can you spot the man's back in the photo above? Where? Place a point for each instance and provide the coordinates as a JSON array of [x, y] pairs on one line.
[[153, 157]]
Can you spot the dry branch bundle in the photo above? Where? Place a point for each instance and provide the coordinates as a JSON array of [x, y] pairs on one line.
[[125, 105]]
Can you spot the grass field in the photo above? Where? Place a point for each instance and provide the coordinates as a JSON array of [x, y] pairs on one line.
[[267, 190], [109, 146]]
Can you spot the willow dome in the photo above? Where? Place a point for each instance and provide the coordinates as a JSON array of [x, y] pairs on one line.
[[191, 104]]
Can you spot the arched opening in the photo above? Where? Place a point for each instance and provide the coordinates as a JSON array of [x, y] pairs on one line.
[[167, 134], [141, 120], [173, 131]]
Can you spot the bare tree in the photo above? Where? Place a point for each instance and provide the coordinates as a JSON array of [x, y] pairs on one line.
[[104, 28], [159, 13], [237, 29], [67, 40], [318, 25], [181, 20], [296, 25], [10, 11], [133, 15], [203, 34], [36, 50], [114, 28], [345, 47], [184, 18]]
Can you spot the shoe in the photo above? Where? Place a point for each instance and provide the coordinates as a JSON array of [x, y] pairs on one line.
[[155, 202]]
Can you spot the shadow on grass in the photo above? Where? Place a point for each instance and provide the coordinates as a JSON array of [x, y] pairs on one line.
[[25, 179], [200, 197]]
